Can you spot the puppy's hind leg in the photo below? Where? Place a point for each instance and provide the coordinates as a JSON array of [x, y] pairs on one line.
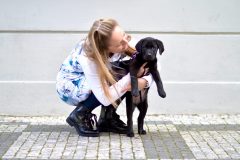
[[130, 109], [142, 113]]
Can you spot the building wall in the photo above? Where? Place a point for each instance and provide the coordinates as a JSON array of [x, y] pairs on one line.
[[200, 67]]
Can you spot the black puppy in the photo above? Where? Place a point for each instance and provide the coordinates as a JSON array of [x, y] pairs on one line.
[[146, 52]]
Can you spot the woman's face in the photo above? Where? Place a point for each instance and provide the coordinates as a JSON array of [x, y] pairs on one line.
[[119, 40]]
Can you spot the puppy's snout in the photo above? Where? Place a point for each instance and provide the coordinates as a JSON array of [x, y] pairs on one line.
[[148, 56]]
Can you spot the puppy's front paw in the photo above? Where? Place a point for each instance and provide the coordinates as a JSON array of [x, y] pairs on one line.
[[135, 93], [130, 134], [162, 94]]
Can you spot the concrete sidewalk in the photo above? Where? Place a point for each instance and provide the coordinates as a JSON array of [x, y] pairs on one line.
[[168, 137]]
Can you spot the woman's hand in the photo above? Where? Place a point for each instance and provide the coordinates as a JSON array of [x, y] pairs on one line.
[[142, 71], [142, 83]]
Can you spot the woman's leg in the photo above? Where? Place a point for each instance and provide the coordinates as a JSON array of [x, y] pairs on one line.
[[82, 119], [109, 120]]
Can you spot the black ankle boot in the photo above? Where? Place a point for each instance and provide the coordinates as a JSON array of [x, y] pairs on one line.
[[81, 120], [116, 117], [109, 121]]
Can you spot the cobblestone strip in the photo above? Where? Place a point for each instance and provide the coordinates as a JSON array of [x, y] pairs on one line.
[[104, 146], [70, 147], [138, 149], [26, 147], [193, 146], [223, 143], [231, 120], [12, 127], [166, 144], [92, 148], [6, 140], [170, 143], [126, 147], [58, 150], [7, 128], [168, 137], [21, 146], [208, 152], [47, 120], [16, 146], [81, 148], [233, 143], [115, 145], [37, 146], [236, 136], [181, 148], [215, 150], [48, 146], [148, 143]]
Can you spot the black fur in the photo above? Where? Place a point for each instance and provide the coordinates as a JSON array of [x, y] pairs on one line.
[[147, 49]]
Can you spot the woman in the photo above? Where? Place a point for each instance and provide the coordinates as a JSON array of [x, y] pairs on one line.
[[86, 80]]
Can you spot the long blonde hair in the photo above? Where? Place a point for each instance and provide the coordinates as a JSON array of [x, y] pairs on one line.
[[96, 48]]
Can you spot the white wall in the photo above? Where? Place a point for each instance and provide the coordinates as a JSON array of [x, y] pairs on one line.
[[200, 66]]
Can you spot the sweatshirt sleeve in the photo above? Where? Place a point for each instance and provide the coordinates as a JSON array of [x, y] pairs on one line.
[[149, 80], [89, 68]]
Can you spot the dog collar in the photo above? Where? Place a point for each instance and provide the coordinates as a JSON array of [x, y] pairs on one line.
[[134, 55]]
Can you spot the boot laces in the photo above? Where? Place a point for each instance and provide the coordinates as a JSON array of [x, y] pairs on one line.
[[91, 120]]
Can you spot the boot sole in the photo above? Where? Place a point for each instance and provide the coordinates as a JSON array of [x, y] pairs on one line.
[[72, 124], [111, 130]]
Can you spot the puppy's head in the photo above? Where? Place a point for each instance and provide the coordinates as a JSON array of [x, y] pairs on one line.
[[148, 48]]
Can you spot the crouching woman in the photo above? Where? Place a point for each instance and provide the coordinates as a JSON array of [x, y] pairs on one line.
[[86, 80]]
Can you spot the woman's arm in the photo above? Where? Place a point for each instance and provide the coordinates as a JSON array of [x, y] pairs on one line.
[[89, 68]]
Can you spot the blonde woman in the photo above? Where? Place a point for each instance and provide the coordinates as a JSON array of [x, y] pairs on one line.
[[85, 79]]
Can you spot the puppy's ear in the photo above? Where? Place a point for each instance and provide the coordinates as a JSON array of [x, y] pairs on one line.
[[139, 45], [160, 46]]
